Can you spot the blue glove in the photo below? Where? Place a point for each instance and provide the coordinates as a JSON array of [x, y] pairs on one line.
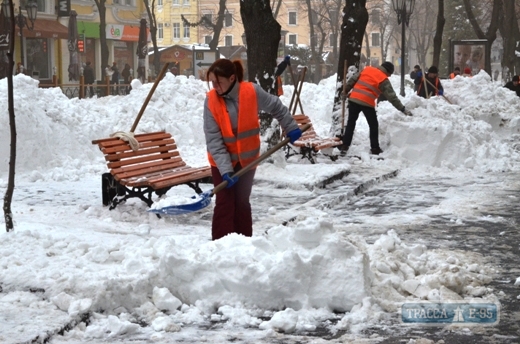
[[229, 179], [295, 134], [440, 92], [418, 75], [287, 59]]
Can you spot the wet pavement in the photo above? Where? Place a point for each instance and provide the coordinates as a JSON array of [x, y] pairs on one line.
[[486, 225]]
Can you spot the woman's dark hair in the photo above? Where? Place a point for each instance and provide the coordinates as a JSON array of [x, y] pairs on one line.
[[225, 68]]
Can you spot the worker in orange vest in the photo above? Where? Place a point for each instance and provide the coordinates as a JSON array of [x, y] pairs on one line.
[[366, 87], [279, 71], [232, 130], [455, 72]]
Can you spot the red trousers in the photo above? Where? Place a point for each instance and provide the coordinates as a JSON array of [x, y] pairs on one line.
[[232, 213]]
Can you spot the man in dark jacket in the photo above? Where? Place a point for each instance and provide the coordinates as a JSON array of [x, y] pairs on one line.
[[366, 86], [429, 85], [513, 85], [115, 78], [88, 75], [413, 74]]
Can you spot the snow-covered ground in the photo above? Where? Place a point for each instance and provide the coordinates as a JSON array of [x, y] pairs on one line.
[[126, 275]]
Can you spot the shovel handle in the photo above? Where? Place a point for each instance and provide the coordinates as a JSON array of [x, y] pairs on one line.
[[259, 159], [155, 84]]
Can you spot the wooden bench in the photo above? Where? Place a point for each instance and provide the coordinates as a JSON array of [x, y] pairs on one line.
[[155, 167], [310, 144]]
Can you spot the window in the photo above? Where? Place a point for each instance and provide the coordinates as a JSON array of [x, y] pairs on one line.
[[124, 2], [375, 40], [229, 41], [314, 17], [39, 3], [177, 30], [160, 31], [228, 20], [186, 31], [186, 2], [292, 39], [159, 2], [333, 14], [332, 40], [208, 19], [292, 18], [207, 39], [175, 2], [375, 17]]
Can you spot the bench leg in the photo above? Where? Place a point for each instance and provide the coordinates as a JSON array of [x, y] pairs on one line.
[[110, 189]]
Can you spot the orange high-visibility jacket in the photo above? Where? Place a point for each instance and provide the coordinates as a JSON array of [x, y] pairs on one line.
[[245, 146], [366, 88]]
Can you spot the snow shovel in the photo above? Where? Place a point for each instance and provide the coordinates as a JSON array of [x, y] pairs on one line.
[[204, 199]]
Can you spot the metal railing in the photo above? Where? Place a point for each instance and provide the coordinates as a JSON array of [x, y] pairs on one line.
[[101, 88]]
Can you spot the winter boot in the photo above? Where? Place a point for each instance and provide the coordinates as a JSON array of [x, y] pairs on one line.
[[376, 151]]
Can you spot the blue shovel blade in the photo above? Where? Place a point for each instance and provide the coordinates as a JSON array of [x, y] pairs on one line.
[[203, 202]]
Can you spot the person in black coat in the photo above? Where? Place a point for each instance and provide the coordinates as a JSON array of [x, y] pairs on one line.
[[115, 77], [413, 74], [513, 85], [88, 75], [430, 84]]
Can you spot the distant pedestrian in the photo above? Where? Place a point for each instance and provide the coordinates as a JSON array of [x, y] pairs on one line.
[[89, 78], [513, 85], [455, 72], [413, 74], [467, 72], [115, 78], [366, 86], [429, 85], [127, 78]]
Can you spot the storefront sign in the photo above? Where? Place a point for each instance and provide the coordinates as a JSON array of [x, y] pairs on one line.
[[122, 32], [63, 8]]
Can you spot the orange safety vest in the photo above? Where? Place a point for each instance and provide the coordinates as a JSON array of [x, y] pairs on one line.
[[435, 90], [279, 86], [366, 88], [245, 146]]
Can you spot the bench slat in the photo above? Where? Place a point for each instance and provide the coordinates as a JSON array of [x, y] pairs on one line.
[[142, 159], [185, 179], [126, 147], [136, 167], [169, 175], [125, 154], [145, 172], [139, 137], [168, 178]]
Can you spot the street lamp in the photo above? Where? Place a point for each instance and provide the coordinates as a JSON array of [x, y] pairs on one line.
[[403, 9], [21, 21]]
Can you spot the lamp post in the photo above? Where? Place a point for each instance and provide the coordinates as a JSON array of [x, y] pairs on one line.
[[403, 9], [21, 20]]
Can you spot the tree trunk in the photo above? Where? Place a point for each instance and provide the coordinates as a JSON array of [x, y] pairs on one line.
[[511, 35], [262, 38], [103, 36], [437, 40], [355, 19], [8, 214]]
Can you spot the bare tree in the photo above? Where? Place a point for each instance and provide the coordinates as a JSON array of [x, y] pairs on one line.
[[211, 25], [355, 19], [511, 36], [102, 10], [8, 214], [437, 40], [421, 28], [259, 23], [152, 19]]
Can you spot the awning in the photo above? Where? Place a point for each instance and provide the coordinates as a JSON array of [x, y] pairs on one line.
[[44, 28]]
